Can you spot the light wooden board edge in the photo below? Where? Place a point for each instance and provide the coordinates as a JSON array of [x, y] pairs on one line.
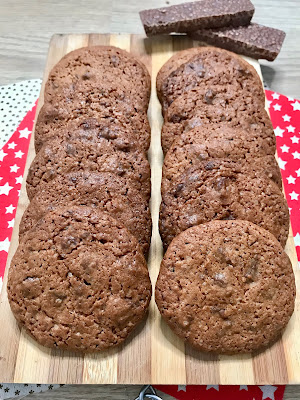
[[169, 364]]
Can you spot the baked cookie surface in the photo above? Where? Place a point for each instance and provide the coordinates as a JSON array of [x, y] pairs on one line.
[[206, 66], [217, 104], [57, 158], [108, 105], [89, 129], [226, 287], [101, 190], [94, 64], [221, 190], [216, 141], [79, 281]]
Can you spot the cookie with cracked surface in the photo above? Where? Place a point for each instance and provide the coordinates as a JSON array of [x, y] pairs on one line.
[[206, 66], [90, 129], [93, 64], [107, 104], [79, 281], [221, 190], [217, 104], [171, 65], [58, 158], [226, 287], [219, 141], [101, 190], [106, 87]]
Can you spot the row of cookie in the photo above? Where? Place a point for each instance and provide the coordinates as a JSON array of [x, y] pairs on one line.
[[80, 268], [92, 135], [219, 145], [224, 286]]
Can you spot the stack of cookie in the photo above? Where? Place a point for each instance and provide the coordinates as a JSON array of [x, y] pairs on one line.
[[79, 278], [219, 145], [219, 164]]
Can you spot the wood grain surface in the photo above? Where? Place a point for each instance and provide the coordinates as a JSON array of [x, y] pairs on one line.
[[153, 354]]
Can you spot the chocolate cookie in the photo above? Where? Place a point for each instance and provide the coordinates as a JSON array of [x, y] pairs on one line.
[[107, 87], [226, 287], [220, 189], [106, 103], [102, 190], [90, 129], [79, 281], [171, 65], [58, 158], [213, 141], [91, 65], [209, 66], [217, 104]]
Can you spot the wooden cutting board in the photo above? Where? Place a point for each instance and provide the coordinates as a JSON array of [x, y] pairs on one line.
[[153, 354]]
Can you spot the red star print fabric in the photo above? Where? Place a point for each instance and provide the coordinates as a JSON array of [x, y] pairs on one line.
[[216, 392], [285, 116], [12, 163]]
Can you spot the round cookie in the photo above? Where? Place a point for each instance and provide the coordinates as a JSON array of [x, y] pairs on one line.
[[58, 158], [213, 141], [108, 87], [217, 104], [90, 65], [220, 189], [108, 105], [209, 66], [79, 281], [101, 190], [90, 129], [171, 65], [226, 287]]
